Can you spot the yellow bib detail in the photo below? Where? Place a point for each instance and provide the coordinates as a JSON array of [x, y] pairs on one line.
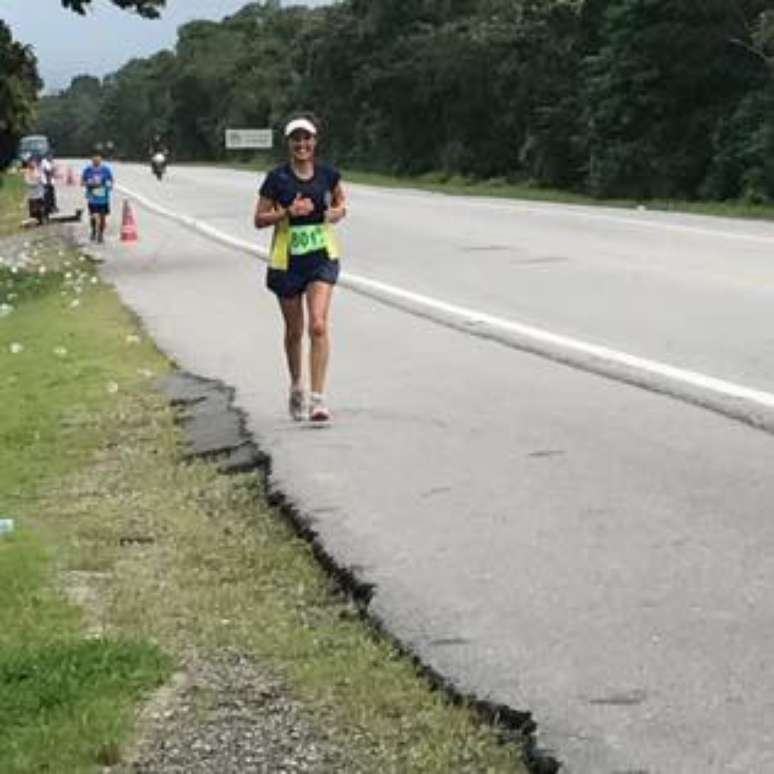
[[282, 243]]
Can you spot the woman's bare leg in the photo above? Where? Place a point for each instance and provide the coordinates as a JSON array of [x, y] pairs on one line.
[[293, 313], [318, 300]]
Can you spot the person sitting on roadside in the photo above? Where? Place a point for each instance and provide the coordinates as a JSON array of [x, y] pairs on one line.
[[34, 180]]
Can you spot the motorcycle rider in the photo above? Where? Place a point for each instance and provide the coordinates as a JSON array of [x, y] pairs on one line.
[[159, 156]]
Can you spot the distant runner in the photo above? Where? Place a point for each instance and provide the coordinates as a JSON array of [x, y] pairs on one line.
[[97, 178], [302, 199]]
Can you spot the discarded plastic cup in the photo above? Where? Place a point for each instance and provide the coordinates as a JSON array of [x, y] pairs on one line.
[[6, 527]]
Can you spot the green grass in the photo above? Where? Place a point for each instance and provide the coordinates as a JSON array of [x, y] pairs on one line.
[[63, 350], [66, 702], [12, 202], [31, 611], [67, 705], [90, 456]]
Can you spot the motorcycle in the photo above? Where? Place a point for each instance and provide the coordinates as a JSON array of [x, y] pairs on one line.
[[159, 164]]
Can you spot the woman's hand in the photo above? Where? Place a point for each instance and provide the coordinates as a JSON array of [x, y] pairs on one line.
[[338, 208], [269, 213], [335, 214], [300, 207]]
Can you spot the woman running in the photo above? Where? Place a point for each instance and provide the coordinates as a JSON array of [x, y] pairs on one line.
[[302, 199]]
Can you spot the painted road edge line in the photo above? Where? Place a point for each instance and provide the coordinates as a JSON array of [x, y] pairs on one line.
[[729, 398]]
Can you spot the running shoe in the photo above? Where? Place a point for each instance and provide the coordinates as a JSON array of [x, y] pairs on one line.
[[318, 412], [296, 404]]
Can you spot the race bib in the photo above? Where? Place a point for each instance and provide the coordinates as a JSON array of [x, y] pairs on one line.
[[99, 191], [307, 239]]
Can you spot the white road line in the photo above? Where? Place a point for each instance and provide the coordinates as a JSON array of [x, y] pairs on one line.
[[474, 317], [538, 337]]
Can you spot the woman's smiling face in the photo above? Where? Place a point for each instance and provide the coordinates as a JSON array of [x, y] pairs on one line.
[[302, 145]]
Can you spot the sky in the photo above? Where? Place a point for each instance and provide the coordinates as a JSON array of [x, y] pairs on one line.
[[67, 44]]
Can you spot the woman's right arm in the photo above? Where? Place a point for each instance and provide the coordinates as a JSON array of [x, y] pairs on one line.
[[268, 213]]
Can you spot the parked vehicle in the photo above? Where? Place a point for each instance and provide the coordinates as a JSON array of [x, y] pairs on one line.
[[33, 145]]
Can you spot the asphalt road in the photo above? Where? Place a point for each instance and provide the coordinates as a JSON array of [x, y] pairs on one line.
[[568, 543]]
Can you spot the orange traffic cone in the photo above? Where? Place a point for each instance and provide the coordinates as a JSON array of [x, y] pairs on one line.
[[128, 225], [70, 176]]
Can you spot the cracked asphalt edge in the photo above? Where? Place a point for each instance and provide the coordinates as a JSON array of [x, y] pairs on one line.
[[189, 392]]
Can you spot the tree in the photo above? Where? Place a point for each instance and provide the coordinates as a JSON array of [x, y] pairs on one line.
[[72, 120], [636, 98], [150, 9], [663, 76], [19, 85], [743, 143]]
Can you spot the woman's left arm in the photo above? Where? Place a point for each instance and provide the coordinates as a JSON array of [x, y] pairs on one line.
[[338, 208]]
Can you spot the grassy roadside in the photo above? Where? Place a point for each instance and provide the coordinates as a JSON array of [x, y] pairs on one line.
[[457, 185], [66, 701], [166, 558], [12, 203]]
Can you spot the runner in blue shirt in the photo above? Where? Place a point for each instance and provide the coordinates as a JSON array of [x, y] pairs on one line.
[[97, 179], [302, 199]]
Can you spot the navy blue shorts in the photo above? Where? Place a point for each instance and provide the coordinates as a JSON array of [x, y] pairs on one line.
[[302, 270], [99, 209]]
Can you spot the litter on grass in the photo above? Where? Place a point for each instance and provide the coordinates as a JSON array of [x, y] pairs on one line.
[[6, 527]]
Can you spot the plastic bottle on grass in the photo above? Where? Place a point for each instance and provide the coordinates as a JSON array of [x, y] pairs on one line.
[[6, 527]]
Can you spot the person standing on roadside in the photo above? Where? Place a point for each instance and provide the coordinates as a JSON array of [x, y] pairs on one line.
[[302, 199], [97, 179], [47, 168]]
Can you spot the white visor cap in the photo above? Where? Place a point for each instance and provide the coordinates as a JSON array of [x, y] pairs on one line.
[[300, 123]]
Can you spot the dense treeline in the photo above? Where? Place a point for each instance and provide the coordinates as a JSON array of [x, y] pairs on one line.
[[643, 98], [19, 84], [20, 81]]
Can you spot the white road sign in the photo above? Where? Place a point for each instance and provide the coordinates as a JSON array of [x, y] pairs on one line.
[[249, 138]]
